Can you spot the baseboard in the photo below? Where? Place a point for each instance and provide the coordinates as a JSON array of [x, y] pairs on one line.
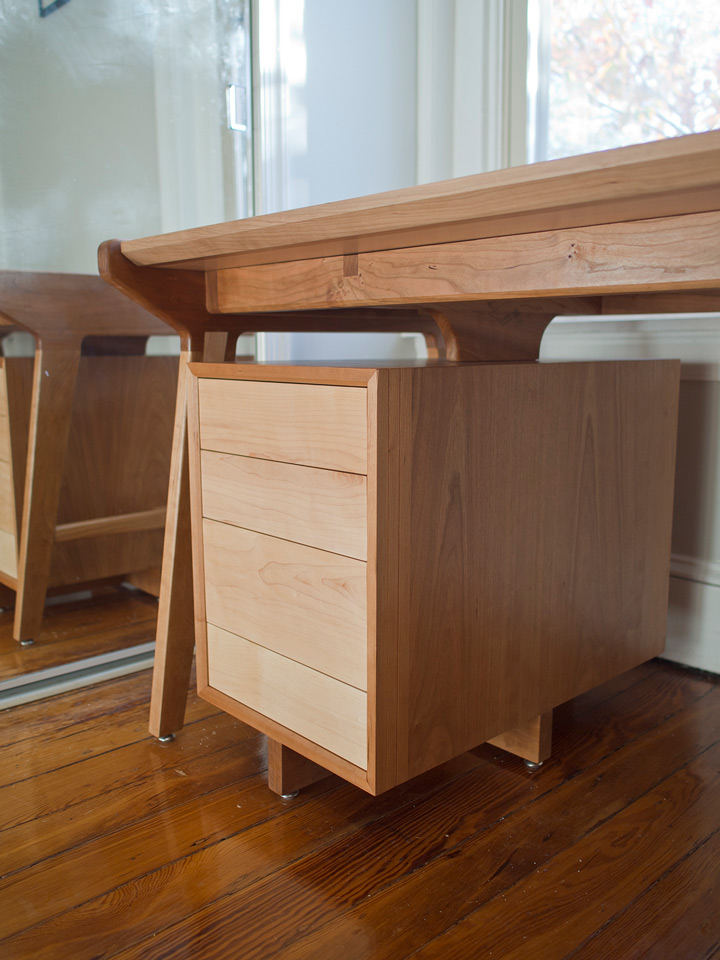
[[694, 568], [694, 339], [40, 684], [693, 635]]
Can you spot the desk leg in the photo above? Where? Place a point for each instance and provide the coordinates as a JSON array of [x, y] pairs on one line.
[[289, 772], [531, 740], [53, 389], [175, 638]]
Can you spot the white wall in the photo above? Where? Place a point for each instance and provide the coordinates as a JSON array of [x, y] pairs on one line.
[[111, 125], [78, 154]]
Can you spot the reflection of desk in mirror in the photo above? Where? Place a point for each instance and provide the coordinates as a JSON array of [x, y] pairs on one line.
[[490, 260], [85, 435]]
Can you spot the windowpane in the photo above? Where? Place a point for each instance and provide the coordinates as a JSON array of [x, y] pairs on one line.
[[615, 72]]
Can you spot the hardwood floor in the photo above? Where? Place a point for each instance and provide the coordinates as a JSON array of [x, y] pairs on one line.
[[114, 845], [113, 619]]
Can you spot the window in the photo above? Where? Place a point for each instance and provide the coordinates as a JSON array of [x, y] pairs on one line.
[[605, 73]]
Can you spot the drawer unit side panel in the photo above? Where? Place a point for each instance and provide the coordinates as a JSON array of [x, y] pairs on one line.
[[320, 708], [5, 450], [545, 570], [316, 425], [7, 498], [8, 554], [304, 603], [321, 508]]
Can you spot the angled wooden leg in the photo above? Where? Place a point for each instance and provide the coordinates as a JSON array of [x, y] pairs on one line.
[[289, 772], [532, 740], [55, 375], [175, 639]]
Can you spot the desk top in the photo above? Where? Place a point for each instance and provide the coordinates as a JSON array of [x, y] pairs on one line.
[[653, 180]]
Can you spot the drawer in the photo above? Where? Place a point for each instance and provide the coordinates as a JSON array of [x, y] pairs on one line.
[[305, 701], [320, 508], [316, 425], [301, 602]]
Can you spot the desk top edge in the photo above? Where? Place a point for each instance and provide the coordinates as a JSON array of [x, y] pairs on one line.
[[666, 177]]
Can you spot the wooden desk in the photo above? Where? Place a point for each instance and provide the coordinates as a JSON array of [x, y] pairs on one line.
[[86, 429], [487, 261]]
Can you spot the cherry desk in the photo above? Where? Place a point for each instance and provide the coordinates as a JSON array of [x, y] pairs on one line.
[[480, 265]]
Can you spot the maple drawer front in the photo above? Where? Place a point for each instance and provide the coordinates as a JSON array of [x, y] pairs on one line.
[[308, 702], [321, 508], [304, 603], [317, 425]]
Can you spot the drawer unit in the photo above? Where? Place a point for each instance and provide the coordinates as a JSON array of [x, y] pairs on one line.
[[393, 564]]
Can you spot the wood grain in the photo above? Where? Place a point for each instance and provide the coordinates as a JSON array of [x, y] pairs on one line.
[[544, 571], [390, 407], [603, 259], [661, 916], [18, 379], [320, 508], [119, 523], [531, 740], [74, 306], [297, 423], [175, 640], [317, 706], [232, 868], [289, 772], [506, 505], [480, 862], [5, 453], [8, 557], [616, 857], [431, 837], [327, 373], [81, 443], [111, 619], [54, 378], [7, 500], [633, 183], [299, 601]]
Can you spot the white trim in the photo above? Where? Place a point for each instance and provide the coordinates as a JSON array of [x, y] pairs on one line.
[[88, 663], [693, 631], [693, 338], [435, 89], [472, 100], [695, 568], [515, 88], [272, 22], [41, 684]]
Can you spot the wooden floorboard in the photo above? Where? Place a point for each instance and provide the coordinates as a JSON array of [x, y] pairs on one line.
[[113, 845], [115, 619]]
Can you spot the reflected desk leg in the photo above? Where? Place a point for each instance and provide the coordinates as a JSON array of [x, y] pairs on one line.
[[53, 390]]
